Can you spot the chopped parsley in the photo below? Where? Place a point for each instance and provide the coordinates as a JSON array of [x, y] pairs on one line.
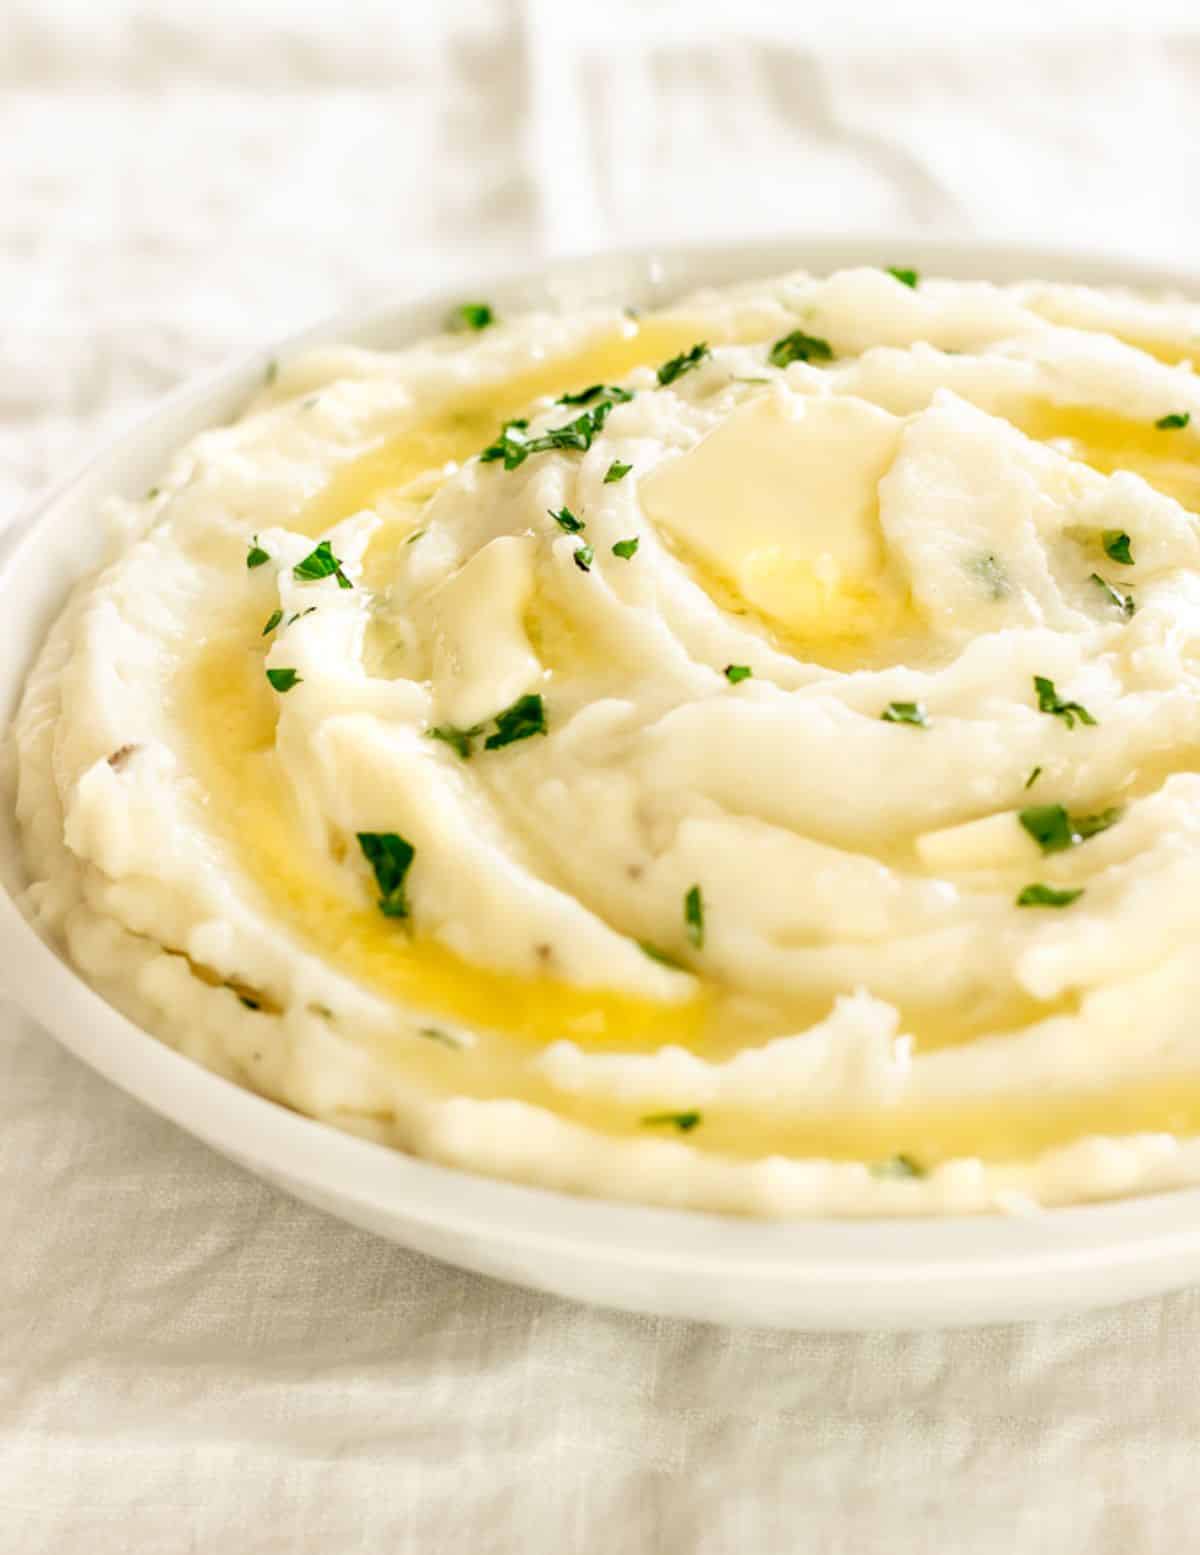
[[473, 315], [414, 537], [271, 373], [1088, 825], [443, 1038], [736, 672], [661, 956], [683, 1121], [910, 278], [256, 556], [616, 472], [459, 740], [513, 445], [283, 680], [1175, 422], [683, 363], [1116, 546], [151, 494], [1040, 895], [897, 1166], [321, 563], [527, 716], [390, 857], [906, 713], [584, 557], [565, 519], [693, 916], [1050, 702], [799, 347], [626, 548], [1124, 602], [1033, 777], [300, 614], [585, 396], [273, 621]]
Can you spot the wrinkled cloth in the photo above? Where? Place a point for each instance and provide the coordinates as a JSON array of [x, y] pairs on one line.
[[190, 1361]]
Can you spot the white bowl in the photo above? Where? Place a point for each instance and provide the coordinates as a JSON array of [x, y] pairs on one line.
[[812, 1274]]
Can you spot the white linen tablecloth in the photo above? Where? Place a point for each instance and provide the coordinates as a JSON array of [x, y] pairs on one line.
[[188, 1360]]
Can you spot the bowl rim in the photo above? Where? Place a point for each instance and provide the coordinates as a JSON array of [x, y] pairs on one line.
[[933, 1252]]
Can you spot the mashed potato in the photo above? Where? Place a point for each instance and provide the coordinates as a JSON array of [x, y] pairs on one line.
[[742, 757]]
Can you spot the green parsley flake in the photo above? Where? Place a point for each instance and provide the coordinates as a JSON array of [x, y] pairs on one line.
[[799, 347], [910, 278], [443, 1038], [1175, 422], [256, 556], [584, 557], [1050, 702], [683, 363], [1050, 827], [616, 472], [473, 315], [565, 519], [737, 672], [414, 537], [897, 1166], [1040, 895], [1088, 825], [514, 446], [683, 1121], [283, 680], [273, 621], [661, 956], [527, 716], [1033, 777], [321, 563], [585, 396], [1116, 546], [1124, 602], [390, 857], [151, 494], [271, 373], [626, 548], [459, 740], [693, 916], [906, 713]]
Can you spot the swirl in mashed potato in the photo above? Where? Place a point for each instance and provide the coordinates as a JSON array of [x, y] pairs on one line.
[[743, 756]]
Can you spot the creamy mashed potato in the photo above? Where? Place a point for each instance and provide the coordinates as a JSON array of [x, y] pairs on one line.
[[743, 756]]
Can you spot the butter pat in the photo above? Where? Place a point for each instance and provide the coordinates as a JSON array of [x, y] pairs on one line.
[[781, 502], [482, 660]]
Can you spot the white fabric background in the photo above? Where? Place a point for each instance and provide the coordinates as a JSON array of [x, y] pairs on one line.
[[190, 1362]]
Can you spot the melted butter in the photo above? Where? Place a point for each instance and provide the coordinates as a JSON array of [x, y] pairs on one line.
[[230, 714], [1165, 459]]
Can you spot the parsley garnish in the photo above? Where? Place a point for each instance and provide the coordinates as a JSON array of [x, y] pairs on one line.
[[625, 548], [683, 1121], [1124, 602], [1039, 895], [661, 956], [273, 621], [300, 614], [897, 1166], [565, 519], [683, 363], [1116, 545], [390, 857], [1175, 422], [283, 680], [1049, 702], [526, 716], [585, 396], [256, 556], [906, 713], [693, 916], [436, 1034], [321, 563], [474, 315], [1033, 777], [459, 740], [151, 494], [799, 347], [414, 537], [1050, 827], [736, 672], [514, 447], [616, 472], [909, 278], [271, 373], [584, 557]]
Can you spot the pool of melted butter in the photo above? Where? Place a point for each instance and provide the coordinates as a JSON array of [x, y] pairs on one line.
[[231, 717]]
